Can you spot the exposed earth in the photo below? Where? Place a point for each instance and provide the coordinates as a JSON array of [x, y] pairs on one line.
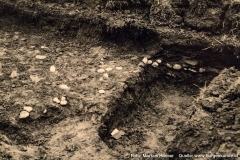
[[125, 79]]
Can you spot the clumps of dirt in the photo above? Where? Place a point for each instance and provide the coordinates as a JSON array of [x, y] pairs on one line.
[[214, 127]]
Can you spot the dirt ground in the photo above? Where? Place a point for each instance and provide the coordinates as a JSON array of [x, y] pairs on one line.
[[165, 79]]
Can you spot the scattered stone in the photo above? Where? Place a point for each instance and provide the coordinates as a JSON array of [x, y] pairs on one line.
[[169, 65], [45, 111], [190, 62], [114, 131], [23, 114], [63, 103], [2, 53], [105, 75], [101, 70], [177, 67], [145, 60], [27, 108], [40, 57], [63, 98], [169, 138], [108, 69], [52, 69], [14, 74], [23, 39], [119, 68], [149, 62], [46, 49], [201, 70], [35, 78], [15, 37], [64, 86], [192, 70], [155, 64], [159, 61], [101, 91], [141, 64], [118, 135], [56, 100], [134, 58]]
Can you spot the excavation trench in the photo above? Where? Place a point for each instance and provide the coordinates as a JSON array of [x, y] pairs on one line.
[[156, 101]]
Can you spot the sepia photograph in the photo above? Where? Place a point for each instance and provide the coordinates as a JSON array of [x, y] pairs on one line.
[[119, 79]]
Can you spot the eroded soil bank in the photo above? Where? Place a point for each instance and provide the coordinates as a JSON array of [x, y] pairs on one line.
[[174, 107]]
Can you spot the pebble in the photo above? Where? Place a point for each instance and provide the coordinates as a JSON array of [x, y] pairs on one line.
[[101, 70], [14, 74], [108, 69], [192, 70], [40, 57], [52, 69], [2, 53], [63, 103], [141, 64], [177, 67], [45, 48], [155, 64], [45, 111], [159, 61], [63, 98], [201, 70], [64, 86], [190, 62], [105, 75], [119, 68], [169, 138], [29, 109], [23, 114], [149, 62], [56, 100], [169, 65], [145, 60], [101, 91], [114, 131]]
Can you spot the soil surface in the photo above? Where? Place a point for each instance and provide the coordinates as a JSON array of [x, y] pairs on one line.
[[162, 75]]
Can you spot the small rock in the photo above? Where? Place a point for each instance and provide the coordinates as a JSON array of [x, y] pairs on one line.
[[114, 131], [201, 70], [119, 68], [118, 135], [15, 37], [23, 114], [52, 69], [159, 61], [192, 70], [46, 49], [23, 39], [155, 64], [145, 60], [190, 62], [45, 111], [169, 138], [108, 69], [141, 64], [14, 74], [2, 53], [149, 62], [27, 108], [40, 57], [63, 98], [177, 67], [63, 103], [64, 86], [169, 65], [56, 100], [101, 91], [105, 75], [35, 78], [101, 70]]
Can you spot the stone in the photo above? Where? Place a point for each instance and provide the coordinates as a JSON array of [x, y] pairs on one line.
[[101, 91], [35, 78], [114, 131], [40, 57], [149, 62], [45, 111], [105, 75], [159, 61], [192, 70], [169, 138], [101, 70], [177, 67], [63, 103], [14, 74], [201, 70], [23, 114], [119, 68], [155, 64], [28, 108], [52, 69], [141, 64], [169, 65], [64, 86], [46, 49], [2, 53], [56, 100], [145, 60], [118, 135], [108, 69], [190, 62], [63, 98]]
